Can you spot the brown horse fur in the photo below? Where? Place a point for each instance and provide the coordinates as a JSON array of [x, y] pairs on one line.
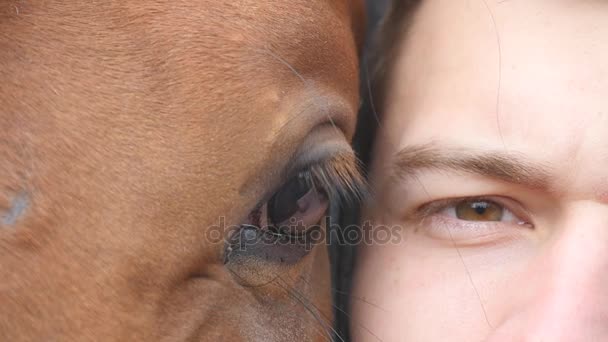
[[128, 128]]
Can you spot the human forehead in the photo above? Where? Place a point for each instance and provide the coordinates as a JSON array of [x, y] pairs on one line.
[[513, 75], [512, 60]]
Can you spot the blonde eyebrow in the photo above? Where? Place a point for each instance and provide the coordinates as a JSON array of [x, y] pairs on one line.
[[507, 166]]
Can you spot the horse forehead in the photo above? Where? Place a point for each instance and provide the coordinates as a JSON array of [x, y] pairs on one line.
[[270, 19], [294, 22], [304, 27], [265, 48], [242, 44]]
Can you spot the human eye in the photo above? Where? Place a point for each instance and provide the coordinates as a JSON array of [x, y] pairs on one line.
[[473, 219]]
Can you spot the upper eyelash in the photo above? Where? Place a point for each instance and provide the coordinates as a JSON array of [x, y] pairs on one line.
[[428, 209], [340, 178]]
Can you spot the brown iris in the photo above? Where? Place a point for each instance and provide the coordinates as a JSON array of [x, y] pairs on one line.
[[476, 210]]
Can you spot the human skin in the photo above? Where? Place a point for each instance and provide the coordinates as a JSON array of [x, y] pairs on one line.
[[507, 101]]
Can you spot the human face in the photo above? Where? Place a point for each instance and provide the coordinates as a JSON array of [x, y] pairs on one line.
[[492, 156]]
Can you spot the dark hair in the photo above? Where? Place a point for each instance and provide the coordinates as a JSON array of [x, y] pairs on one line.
[[381, 51], [385, 49]]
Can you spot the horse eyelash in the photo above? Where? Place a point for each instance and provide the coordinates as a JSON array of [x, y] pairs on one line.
[[339, 178]]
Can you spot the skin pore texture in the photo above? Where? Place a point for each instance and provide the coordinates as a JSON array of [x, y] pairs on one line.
[[503, 104], [130, 129]]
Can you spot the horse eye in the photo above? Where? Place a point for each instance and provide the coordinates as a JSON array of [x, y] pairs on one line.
[[284, 203], [279, 229], [297, 205]]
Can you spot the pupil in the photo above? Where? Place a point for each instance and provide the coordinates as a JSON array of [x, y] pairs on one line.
[[284, 203], [480, 207]]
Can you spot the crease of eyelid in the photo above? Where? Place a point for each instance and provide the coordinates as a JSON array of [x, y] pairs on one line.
[[330, 110], [512, 167], [296, 160]]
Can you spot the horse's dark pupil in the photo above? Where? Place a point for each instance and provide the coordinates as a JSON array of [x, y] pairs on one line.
[[283, 203]]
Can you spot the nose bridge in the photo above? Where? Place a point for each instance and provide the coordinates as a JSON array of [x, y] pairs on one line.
[[571, 301]]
